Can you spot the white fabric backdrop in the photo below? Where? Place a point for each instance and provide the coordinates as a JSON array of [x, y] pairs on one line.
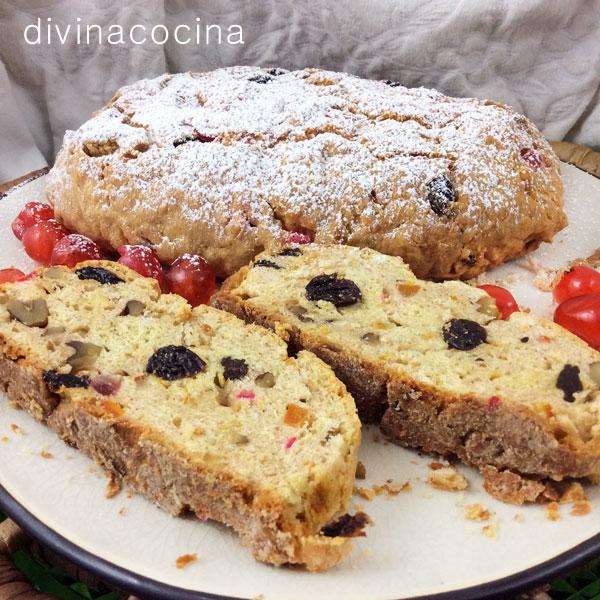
[[540, 56]]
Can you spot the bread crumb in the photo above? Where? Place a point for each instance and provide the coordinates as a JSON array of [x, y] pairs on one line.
[[448, 479], [552, 511], [361, 471], [581, 508], [490, 530], [16, 429], [4, 439], [46, 454], [519, 518], [113, 487], [376, 438], [122, 511], [574, 493], [436, 466], [477, 512], [259, 597], [390, 488], [129, 493], [185, 559]]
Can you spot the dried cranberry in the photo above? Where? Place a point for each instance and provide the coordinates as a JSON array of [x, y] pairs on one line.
[[440, 195], [533, 158], [463, 334], [347, 526], [55, 381], [267, 263], [201, 137], [99, 274], [297, 237], [234, 368], [340, 292], [105, 385], [174, 362], [568, 381], [290, 252], [260, 79]]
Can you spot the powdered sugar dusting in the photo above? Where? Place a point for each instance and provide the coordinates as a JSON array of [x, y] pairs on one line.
[[310, 149]]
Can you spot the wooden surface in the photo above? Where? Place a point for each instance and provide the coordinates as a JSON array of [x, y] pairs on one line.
[[12, 583]]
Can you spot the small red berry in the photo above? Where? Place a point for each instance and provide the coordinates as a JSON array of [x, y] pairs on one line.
[[190, 276], [142, 260], [10, 275], [494, 402], [580, 280], [73, 249], [505, 301], [39, 239], [33, 212], [295, 237]]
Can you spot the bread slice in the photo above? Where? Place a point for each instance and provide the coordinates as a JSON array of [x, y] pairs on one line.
[[433, 362], [194, 409]]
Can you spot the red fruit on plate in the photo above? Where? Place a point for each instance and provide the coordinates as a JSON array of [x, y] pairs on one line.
[[190, 276], [295, 237], [73, 249], [581, 316], [142, 260], [10, 275], [33, 212], [505, 301], [39, 239], [578, 281]]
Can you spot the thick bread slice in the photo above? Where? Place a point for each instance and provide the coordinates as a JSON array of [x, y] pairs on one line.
[[526, 398], [226, 426]]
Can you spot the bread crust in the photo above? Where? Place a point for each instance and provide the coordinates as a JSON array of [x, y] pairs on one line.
[[508, 437]]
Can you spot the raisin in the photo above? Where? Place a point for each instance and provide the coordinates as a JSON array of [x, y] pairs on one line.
[[347, 526], [184, 140], [340, 292], [174, 362], [463, 334], [99, 274], [524, 340], [440, 195], [290, 252], [276, 72], [260, 79], [55, 381], [267, 263], [392, 83], [234, 368], [568, 381]]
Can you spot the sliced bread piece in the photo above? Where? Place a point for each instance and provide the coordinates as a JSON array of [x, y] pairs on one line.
[[194, 409], [434, 362]]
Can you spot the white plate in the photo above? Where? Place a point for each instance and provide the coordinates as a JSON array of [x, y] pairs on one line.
[[420, 543]]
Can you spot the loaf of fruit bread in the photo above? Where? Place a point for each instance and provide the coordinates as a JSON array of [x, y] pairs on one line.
[[434, 362], [228, 163], [193, 408]]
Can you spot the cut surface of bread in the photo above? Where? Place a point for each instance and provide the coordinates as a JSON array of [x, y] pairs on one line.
[[193, 408], [433, 362]]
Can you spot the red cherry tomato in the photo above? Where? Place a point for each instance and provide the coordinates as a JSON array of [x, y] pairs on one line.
[[190, 276], [73, 249], [505, 301], [581, 316], [295, 237], [10, 275], [577, 282], [39, 239], [142, 260], [33, 212]]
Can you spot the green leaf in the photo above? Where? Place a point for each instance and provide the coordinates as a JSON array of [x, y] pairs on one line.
[[82, 589]]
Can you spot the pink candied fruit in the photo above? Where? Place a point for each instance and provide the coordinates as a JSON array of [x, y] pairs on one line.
[[533, 158], [290, 442], [246, 395], [295, 237], [105, 385], [494, 402]]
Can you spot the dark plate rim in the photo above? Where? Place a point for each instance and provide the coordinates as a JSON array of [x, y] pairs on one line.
[[151, 589]]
